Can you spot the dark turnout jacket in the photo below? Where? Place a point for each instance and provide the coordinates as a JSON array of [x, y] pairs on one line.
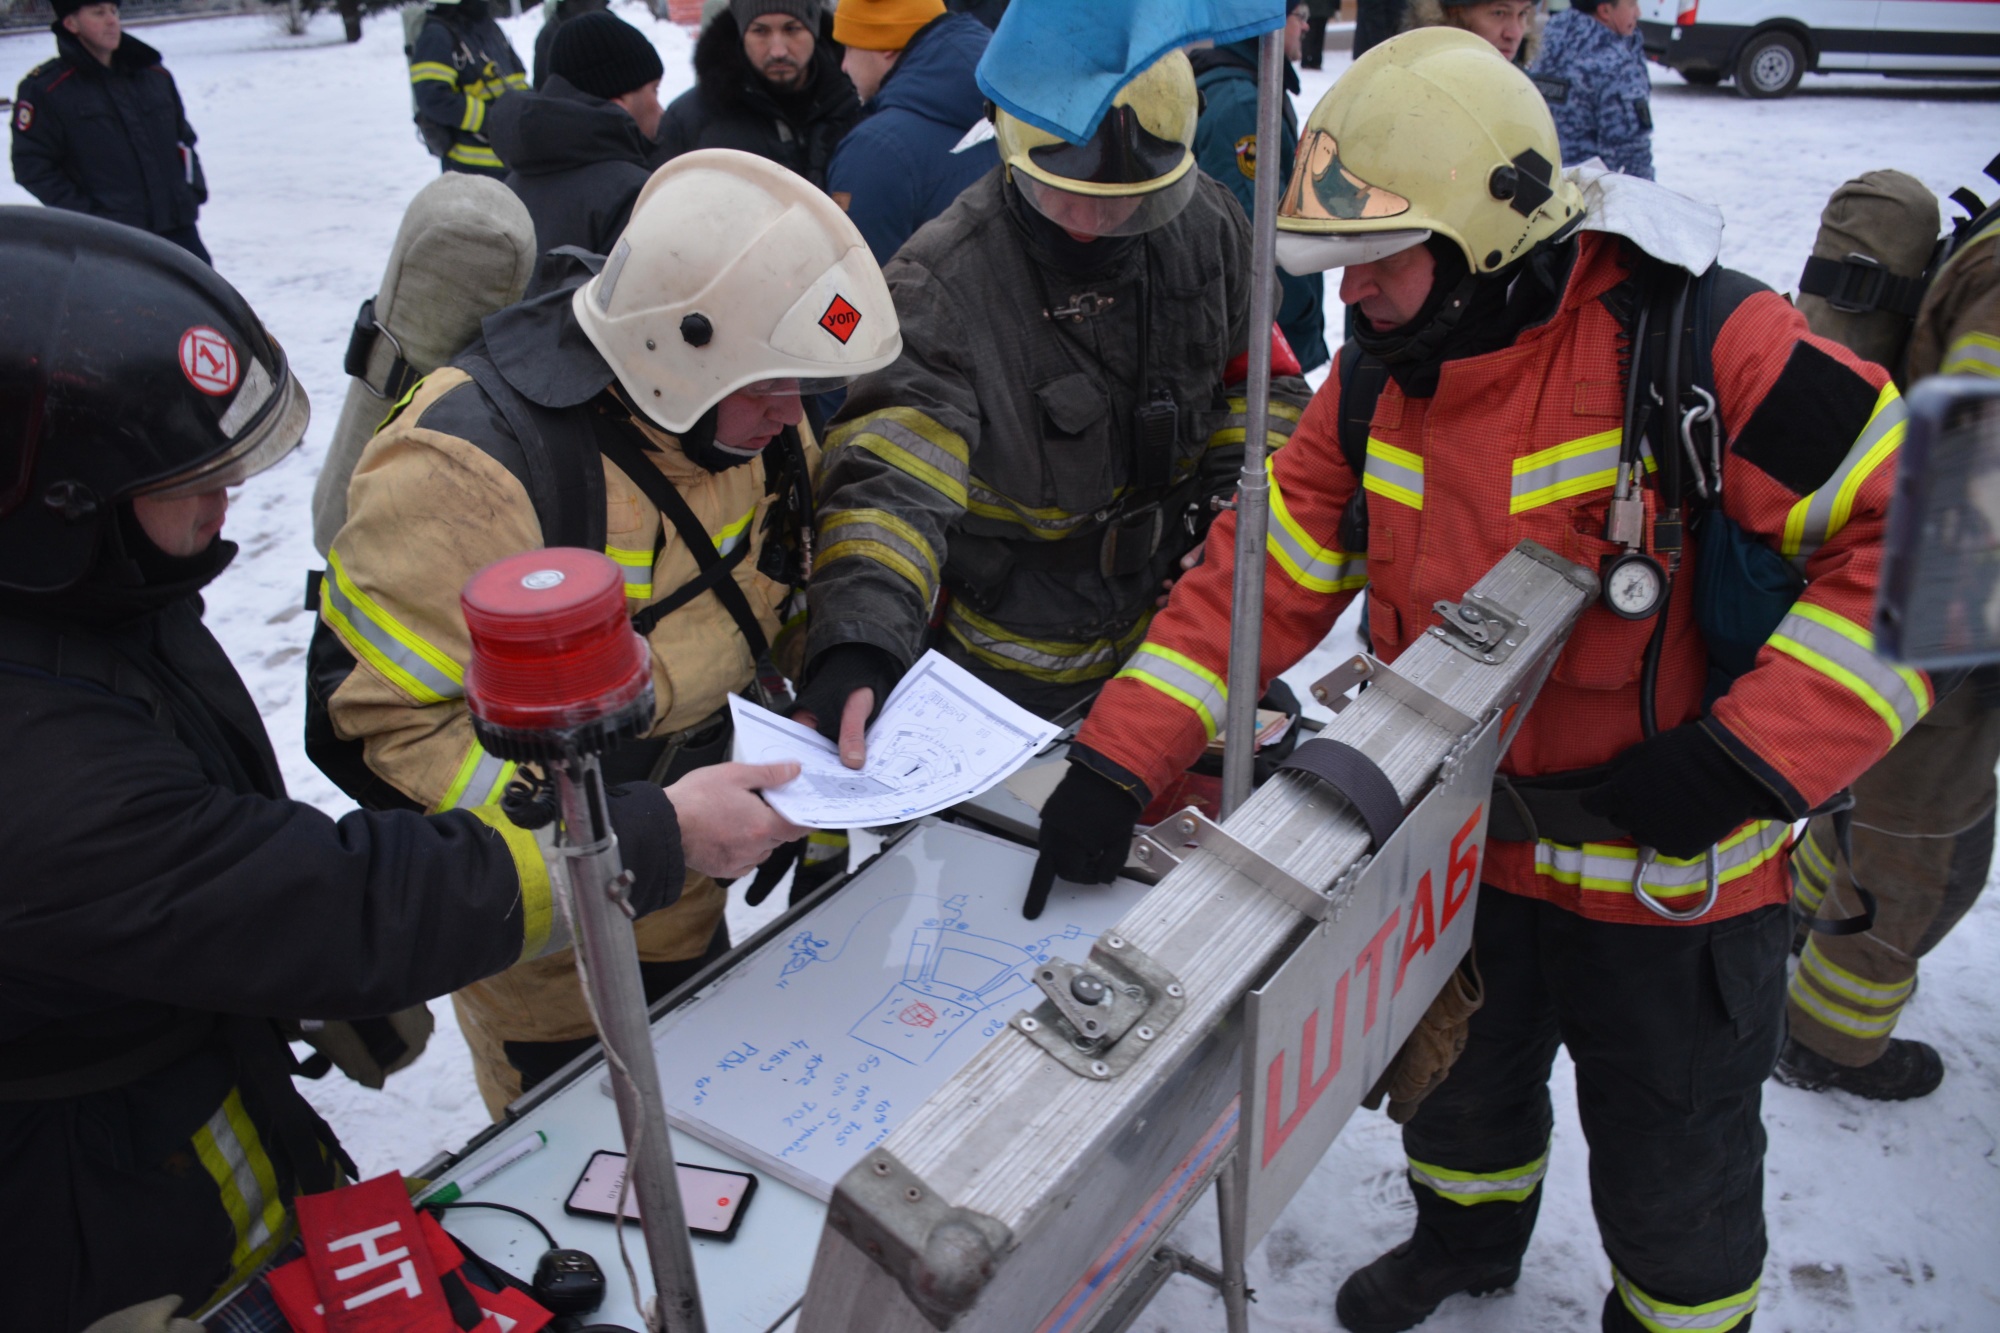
[[112, 142], [163, 903], [896, 170], [731, 106], [575, 160]]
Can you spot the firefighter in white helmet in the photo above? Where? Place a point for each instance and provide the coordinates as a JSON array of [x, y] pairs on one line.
[[649, 407]]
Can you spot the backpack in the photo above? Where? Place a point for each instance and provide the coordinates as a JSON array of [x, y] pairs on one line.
[[1875, 256]]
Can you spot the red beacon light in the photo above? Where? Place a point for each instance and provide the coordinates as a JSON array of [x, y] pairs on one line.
[[557, 671]]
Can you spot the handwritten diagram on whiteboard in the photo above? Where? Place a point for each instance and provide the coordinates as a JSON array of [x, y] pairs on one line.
[[808, 1053]]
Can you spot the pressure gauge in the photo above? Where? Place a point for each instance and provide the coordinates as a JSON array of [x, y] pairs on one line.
[[1634, 585]]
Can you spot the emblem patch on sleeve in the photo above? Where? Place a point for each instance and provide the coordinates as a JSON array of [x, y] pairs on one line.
[[1246, 155], [24, 116]]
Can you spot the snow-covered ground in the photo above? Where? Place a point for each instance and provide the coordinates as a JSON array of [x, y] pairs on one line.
[[1882, 1217]]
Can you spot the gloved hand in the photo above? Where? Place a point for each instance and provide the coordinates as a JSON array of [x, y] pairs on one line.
[[1680, 793], [1086, 834], [831, 681], [812, 872], [1427, 1057]]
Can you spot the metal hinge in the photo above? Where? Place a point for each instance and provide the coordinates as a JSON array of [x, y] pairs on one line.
[[1480, 628], [1331, 690], [1135, 1000], [941, 1255]]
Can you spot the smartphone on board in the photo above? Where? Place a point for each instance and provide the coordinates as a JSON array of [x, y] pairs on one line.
[[714, 1200]]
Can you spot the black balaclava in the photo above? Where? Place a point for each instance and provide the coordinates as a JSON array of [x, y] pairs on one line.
[[130, 578], [698, 442], [1467, 315], [1050, 245]]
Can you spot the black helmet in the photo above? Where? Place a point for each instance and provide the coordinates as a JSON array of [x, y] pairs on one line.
[[127, 367]]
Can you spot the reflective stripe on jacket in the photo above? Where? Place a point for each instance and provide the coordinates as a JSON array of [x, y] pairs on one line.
[[1813, 435]]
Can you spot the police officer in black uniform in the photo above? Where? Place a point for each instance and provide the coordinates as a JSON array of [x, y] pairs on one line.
[[163, 902], [100, 130]]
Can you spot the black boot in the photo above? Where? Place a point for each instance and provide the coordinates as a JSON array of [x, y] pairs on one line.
[[1905, 1070], [1402, 1288]]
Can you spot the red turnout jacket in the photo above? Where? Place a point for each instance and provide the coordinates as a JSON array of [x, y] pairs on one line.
[[1522, 443]]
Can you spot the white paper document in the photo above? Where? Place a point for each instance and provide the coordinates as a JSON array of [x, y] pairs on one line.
[[942, 737]]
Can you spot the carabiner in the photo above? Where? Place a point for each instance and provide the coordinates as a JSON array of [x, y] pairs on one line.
[[1702, 413], [1659, 909]]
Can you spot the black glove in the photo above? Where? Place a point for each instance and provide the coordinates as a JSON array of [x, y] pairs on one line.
[[1680, 793], [810, 874], [1086, 834], [839, 672]]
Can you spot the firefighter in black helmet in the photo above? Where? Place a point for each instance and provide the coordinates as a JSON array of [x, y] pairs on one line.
[[163, 902]]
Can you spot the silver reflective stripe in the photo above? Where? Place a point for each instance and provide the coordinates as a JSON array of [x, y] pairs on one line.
[[1660, 1317], [1607, 867], [231, 1148], [1182, 679], [1322, 569], [1973, 354], [384, 643], [1573, 468], [1818, 518], [1511, 1185], [1843, 651], [482, 784], [1046, 523], [1043, 657], [900, 437], [1396, 474]]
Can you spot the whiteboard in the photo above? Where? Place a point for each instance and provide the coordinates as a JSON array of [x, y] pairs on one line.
[[806, 1054]]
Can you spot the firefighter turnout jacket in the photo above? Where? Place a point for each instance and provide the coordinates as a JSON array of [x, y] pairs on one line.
[[163, 904], [458, 66], [433, 500], [1043, 452], [1958, 327], [1521, 443]]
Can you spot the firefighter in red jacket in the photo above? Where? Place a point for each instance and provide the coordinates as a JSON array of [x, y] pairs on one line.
[[1498, 305]]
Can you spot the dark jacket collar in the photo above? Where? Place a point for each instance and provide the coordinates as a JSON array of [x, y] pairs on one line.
[[1237, 55], [131, 56], [539, 346], [560, 128], [933, 78]]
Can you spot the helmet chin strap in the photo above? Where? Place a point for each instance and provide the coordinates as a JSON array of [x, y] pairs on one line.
[[698, 442]]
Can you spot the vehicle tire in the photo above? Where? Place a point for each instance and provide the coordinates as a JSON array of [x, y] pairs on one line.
[[1771, 65], [1701, 78]]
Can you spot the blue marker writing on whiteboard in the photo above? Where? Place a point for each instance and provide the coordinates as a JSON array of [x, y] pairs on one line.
[[505, 1158]]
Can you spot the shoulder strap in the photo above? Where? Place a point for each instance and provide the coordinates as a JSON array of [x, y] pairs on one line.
[[42, 650], [563, 478], [1361, 380]]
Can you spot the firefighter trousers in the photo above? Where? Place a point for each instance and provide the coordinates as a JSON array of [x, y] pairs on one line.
[[1673, 1030], [1922, 837]]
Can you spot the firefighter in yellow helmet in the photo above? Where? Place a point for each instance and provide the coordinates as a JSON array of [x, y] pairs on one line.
[[648, 407], [1017, 488], [1482, 402]]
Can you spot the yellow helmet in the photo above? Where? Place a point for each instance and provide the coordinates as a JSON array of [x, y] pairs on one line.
[[1134, 174], [1430, 132]]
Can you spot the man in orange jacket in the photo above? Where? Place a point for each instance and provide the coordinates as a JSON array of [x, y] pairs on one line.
[[1503, 312]]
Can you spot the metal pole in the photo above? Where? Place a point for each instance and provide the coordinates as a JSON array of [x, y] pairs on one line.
[[608, 954], [1232, 1216], [1253, 491]]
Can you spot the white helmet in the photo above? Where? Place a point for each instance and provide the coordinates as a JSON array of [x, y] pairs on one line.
[[735, 273]]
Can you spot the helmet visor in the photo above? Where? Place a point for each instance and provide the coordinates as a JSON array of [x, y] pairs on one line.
[[277, 425], [1123, 152], [1303, 254], [792, 387], [1107, 215]]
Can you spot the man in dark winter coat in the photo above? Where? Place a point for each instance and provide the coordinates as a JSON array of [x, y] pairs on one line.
[[901, 166], [577, 149], [164, 902], [100, 130], [1225, 146], [460, 66], [764, 83]]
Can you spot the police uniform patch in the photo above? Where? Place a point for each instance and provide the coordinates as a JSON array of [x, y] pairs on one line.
[[24, 116], [1246, 155]]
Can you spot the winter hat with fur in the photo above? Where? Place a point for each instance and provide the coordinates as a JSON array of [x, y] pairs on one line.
[[882, 25], [746, 12], [603, 55]]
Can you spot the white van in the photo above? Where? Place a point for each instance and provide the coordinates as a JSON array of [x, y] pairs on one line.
[[1768, 45]]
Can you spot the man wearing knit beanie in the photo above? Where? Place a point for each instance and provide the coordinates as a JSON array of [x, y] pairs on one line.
[[913, 65], [765, 83], [577, 149]]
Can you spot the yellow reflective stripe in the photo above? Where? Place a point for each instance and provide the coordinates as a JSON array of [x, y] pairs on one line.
[[727, 539], [1564, 470], [537, 896], [1236, 426], [876, 534], [637, 569], [1607, 867], [430, 71], [1838, 979], [1047, 524], [480, 780], [1395, 473], [823, 845], [1973, 354], [517, 82], [1663, 1317], [378, 638], [913, 444], [230, 1150], [1469, 1187], [401, 403], [1055, 661], [474, 155], [1843, 651], [474, 115], [1817, 518], [1183, 680], [1322, 569], [1812, 874], [1839, 1017]]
